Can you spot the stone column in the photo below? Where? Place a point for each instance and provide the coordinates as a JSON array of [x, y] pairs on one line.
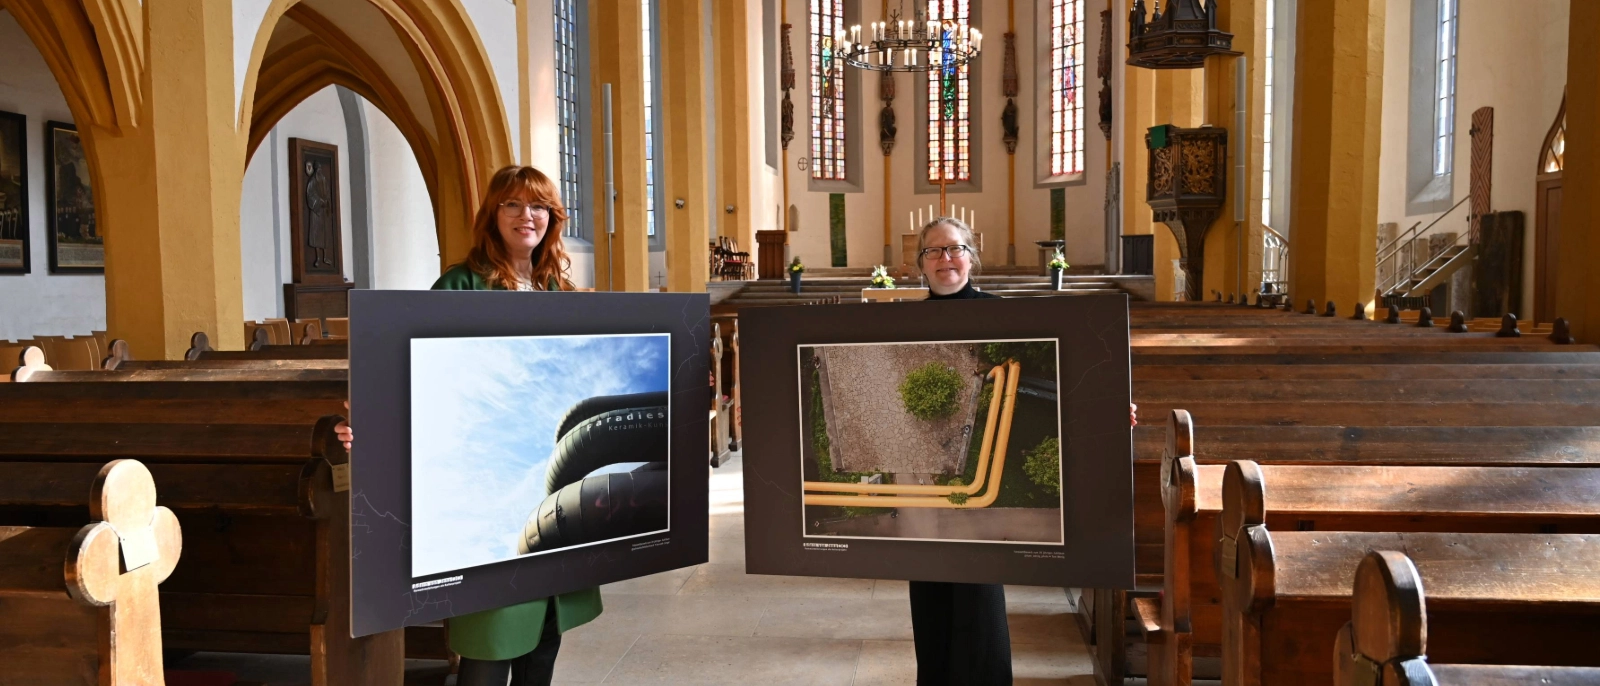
[[736, 114], [169, 189], [1138, 115], [683, 39], [1180, 101], [1338, 104], [616, 56], [1247, 21]]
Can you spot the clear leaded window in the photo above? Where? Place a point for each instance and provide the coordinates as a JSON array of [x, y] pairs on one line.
[[827, 91], [1266, 116], [1066, 87], [1444, 109], [567, 90], [949, 90]]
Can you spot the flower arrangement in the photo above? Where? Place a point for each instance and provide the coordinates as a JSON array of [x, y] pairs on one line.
[[881, 278], [1059, 261], [795, 267]]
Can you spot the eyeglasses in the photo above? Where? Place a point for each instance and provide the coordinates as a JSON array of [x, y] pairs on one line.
[[513, 208], [949, 251]]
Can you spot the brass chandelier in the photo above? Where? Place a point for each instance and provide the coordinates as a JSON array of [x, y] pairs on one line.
[[908, 45]]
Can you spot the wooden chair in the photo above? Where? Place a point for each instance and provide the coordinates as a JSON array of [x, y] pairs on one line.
[[72, 615], [735, 264], [282, 333], [337, 327], [308, 331], [71, 354]]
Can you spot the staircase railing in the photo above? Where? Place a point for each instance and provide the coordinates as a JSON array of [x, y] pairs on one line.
[[1392, 276], [1274, 262]]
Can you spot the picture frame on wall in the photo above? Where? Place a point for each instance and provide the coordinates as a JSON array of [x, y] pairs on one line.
[[15, 255], [76, 246]]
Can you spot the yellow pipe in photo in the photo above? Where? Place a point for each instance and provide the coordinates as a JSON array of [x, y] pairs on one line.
[[998, 375], [997, 467]]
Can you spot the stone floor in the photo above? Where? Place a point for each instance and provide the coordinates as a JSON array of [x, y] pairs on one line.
[[714, 624]]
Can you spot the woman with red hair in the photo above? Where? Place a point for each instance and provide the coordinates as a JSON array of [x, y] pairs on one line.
[[516, 246]]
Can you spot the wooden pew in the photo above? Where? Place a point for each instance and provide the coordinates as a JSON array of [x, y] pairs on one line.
[[1203, 502], [247, 459], [1386, 640], [1530, 599], [69, 613]]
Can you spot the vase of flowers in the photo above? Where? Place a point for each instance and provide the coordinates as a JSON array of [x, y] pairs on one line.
[[795, 270], [881, 278], [1058, 265]]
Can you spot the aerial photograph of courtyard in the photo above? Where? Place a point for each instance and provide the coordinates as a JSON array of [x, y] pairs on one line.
[[955, 441]]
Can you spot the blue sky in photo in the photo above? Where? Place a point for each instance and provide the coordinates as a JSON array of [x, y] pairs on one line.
[[484, 413]]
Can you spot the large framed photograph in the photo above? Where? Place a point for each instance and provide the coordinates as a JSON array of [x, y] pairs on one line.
[[516, 446], [969, 441], [14, 251], [76, 246]]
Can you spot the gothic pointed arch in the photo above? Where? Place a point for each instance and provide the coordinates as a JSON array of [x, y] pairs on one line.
[[430, 75], [1553, 152], [95, 51]]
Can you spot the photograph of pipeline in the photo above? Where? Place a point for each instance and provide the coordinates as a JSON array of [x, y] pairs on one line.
[[526, 445], [943, 441]]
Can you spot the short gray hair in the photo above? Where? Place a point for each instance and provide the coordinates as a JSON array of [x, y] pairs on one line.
[[962, 230]]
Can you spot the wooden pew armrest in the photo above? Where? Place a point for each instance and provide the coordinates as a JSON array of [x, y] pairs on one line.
[[1148, 612]]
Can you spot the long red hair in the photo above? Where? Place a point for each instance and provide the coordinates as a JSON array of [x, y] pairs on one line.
[[489, 257]]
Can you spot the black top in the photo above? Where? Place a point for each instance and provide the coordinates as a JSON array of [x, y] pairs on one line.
[[967, 292]]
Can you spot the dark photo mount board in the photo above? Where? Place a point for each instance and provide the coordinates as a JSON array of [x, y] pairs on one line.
[[1096, 441], [382, 323]]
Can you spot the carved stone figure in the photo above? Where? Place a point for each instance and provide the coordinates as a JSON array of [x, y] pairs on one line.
[[1008, 123]]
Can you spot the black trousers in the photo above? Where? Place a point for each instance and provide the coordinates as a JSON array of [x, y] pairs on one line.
[[534, 669], [961, 633]]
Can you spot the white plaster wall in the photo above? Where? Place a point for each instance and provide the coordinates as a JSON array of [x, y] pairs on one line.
[[40, 303], [405, 241], [264, 241], [1085, 220], [495, 22], [248, 16], [1510, 56]]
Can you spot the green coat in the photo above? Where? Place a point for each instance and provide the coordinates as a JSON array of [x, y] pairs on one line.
[[510, 632]]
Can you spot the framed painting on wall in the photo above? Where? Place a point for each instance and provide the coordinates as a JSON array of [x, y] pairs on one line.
[[13, 194], [76, 246]]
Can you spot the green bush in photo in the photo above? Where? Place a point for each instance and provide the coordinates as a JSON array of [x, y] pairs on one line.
[[930, 391], [1043, 465], [958, 498]]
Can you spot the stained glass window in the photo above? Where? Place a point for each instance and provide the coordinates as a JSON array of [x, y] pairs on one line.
[[1266, 117], [567, 113], [1444, 110], [1066, 87], [648, 16], [827, 91], [949, 90]]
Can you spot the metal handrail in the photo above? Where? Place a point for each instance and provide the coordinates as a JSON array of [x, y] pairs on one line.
[[1274, 260], [1411, 233]]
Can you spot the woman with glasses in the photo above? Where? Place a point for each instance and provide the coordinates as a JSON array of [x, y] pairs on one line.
[[960, 630], [516, 246]]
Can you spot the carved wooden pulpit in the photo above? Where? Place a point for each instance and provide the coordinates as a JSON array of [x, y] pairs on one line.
[[317, 234], [1187, 186]]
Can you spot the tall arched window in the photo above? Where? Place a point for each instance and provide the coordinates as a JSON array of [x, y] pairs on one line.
[[1444, 132], [652, 219], [1266, 114], [949, 105], [827, 92], [1066, 87], [569, 113]]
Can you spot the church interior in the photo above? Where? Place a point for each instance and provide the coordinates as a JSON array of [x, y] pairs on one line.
[[1340, 226]]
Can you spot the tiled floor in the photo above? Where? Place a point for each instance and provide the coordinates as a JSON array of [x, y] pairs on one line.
[[714, 624]]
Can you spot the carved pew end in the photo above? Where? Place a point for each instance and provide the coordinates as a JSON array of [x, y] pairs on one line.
[[1561, 332], [1458, 322], [1330, 310], [1425, 318], [198, 343], [1288, 304], [1360, 313], [119, 353], [1508, 327], [1394, 315], [32, 361], [1311, 307]]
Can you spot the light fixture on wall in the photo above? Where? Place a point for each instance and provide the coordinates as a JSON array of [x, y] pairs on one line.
[[904, 45]]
